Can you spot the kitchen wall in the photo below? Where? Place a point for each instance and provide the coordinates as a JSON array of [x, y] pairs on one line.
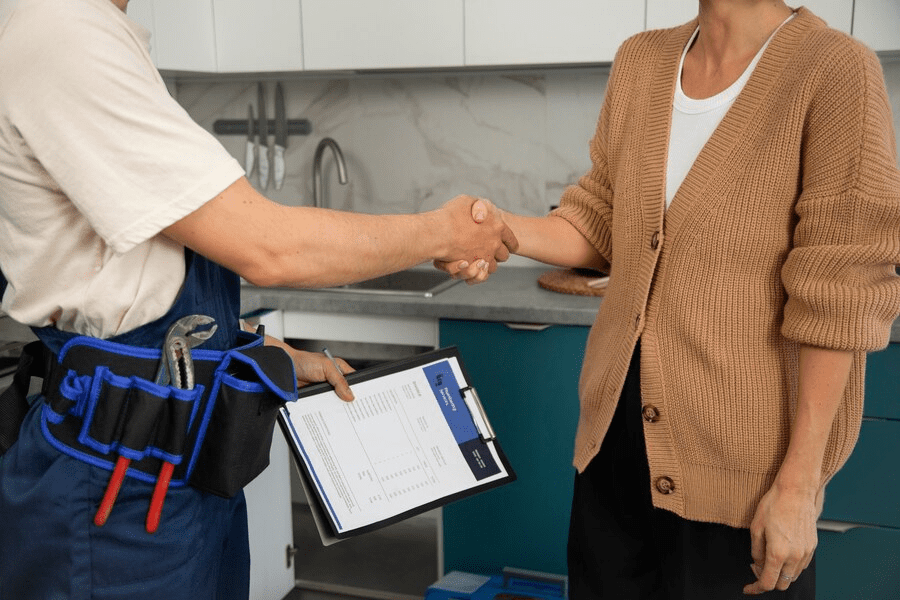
[[413, 141]]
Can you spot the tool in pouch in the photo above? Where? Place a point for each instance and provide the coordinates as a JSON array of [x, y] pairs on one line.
[[177, 369], [102, 402]]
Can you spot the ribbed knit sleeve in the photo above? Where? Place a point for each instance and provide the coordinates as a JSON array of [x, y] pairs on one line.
[[840, 275], [588, 205]]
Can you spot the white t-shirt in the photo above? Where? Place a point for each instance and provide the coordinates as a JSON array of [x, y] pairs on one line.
[[96, 158], [694, 120]]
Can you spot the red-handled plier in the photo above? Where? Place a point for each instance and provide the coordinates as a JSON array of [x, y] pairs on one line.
[[176, 367]]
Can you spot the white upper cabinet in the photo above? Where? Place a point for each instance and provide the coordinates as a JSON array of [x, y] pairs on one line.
[[837, 13], [184, 35], [237, 36], [669, 13], [524, 32], [400, 34], [877, 23], [141, 12], [263, 35], [662, 14]]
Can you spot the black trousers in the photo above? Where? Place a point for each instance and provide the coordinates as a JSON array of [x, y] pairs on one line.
[[622, 548]]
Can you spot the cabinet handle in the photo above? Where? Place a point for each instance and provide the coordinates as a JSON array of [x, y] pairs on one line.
[[528, 326], [836, 526]]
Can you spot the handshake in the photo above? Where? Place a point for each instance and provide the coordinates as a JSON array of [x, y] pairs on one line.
[[477, 238]]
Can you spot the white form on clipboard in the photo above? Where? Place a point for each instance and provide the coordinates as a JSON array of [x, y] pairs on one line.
[[416, 437]]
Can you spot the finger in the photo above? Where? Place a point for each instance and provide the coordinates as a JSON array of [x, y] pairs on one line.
[[787, 576], [757, 546], [768, 579], [509, 239], [481, 274], [758, 554], [469, 271], [479, 211], [501, 254], [445, 266], [336, 378], [452, 268]]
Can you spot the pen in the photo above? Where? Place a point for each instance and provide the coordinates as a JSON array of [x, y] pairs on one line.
[[336, 366], [331, 358]]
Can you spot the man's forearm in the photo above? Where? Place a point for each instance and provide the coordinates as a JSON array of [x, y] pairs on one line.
[[270, 244]]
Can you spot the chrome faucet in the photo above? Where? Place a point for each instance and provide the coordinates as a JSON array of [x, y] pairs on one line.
[[318, 190]]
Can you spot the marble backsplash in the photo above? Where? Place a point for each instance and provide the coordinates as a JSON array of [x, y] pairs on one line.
[[413, 141]]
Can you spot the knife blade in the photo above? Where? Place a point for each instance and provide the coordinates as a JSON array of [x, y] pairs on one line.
[[249, 158], [263, 130], [281, 135]]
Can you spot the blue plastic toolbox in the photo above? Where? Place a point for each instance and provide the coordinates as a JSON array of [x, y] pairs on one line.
[[511, 584]]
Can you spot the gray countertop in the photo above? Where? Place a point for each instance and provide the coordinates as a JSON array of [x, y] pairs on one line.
[[510, 295]]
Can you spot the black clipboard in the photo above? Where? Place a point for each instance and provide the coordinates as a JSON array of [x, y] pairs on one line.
[[413, 462]]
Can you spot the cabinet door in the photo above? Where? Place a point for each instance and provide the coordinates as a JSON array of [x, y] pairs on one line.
[[517, 32], [142, 14], [877, 23], [263, 35], [185, 35], [670, 13], [527, 382], [883, 383], [837, 13], [863, 562], [867, 488], [401, 34]]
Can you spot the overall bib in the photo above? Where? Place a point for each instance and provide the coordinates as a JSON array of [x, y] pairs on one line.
[[49, 546]]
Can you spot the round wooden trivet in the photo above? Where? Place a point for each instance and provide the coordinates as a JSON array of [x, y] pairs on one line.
[[569, 281]]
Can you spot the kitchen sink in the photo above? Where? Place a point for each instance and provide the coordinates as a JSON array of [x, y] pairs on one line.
[[423, 283]]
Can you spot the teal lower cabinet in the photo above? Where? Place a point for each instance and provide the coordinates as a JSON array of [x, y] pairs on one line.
[[858, 557], [857, 563], [527, 379]]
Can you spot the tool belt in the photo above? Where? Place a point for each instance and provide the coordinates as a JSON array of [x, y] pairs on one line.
[[102, 403]]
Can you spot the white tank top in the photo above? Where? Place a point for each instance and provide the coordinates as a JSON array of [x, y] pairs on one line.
[[693, 120]]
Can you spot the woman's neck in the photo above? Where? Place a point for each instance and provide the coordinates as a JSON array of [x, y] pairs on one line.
[[731, 33]]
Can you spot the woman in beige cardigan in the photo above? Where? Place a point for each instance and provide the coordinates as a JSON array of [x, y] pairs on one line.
[[745, 198]]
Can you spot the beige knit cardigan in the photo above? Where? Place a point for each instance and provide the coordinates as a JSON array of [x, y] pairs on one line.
[[786, 231]]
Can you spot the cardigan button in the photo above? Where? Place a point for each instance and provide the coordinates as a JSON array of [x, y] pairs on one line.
[[665, 485], [650, 413], [654, 241]]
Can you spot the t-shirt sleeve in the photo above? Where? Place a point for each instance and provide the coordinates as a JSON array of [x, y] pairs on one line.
[[99, 119]]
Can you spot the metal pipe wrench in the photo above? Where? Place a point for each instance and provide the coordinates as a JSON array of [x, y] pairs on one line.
[[177, 367]]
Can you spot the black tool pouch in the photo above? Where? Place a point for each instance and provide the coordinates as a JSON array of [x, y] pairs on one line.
[[102, 402], [14, 400], [249, 389]]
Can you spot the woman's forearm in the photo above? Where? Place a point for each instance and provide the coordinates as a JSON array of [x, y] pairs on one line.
[[823, 376], [554, 241]]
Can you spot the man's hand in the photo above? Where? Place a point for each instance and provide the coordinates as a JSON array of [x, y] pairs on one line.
[[314, 367], [484, 239]]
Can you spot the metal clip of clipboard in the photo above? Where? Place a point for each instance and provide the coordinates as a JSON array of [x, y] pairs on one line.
[[486, 436]]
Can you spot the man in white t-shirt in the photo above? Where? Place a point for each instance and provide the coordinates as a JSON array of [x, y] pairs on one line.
[[105, 181]]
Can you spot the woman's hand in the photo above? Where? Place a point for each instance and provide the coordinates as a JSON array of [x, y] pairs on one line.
[[783, 537]]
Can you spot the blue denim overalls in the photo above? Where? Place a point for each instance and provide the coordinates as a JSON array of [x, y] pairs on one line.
[[49, 547]]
